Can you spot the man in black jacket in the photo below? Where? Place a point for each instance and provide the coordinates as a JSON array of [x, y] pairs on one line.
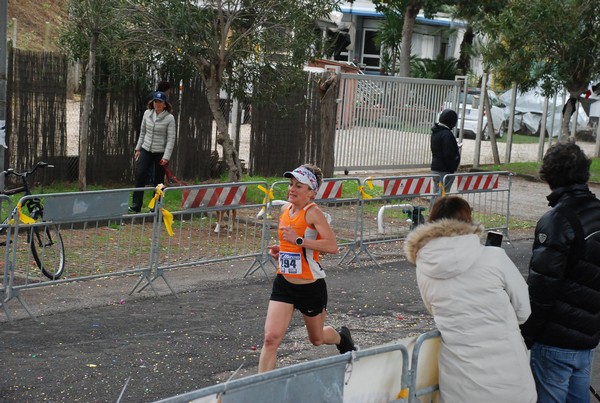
[[444, 149], [564, 280]]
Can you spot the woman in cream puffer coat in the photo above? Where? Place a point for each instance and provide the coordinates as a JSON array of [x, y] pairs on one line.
[[478, 298]]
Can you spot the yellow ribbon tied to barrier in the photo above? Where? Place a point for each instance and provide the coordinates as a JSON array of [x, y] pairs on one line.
[[269, 195], [24, 218], [168, 220], [403, 394], [363, 194], [441, 186], [166, 215]]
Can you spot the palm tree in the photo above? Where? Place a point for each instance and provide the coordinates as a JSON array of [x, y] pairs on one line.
[[389, 38], [439, 68]]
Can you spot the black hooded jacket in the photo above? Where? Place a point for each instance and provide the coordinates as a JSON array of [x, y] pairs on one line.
[[564, 281], [444, 150]]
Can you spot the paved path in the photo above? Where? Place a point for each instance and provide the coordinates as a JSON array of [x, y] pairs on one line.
[[519, 152]]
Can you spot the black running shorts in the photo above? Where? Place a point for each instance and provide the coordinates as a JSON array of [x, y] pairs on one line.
[[310, 299]]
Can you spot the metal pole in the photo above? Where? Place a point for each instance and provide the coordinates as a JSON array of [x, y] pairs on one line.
[[543, 131], [597, 145], [511, 122], [480, 123], [233, 132], [552, 121], [3, 71], [457, 100], [47, 36], [14, 36]]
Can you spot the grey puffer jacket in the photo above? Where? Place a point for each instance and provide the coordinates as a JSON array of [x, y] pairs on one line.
[[157, 136], [564, 290]]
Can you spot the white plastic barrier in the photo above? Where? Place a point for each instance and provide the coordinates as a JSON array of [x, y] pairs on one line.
[[378, 374]]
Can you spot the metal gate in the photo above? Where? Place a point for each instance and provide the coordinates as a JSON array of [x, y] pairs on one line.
[[385, 122]]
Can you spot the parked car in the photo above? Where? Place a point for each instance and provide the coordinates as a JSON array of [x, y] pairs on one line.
[[471, 112], [528, 112]]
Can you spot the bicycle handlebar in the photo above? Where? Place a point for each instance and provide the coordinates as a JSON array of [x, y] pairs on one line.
[[40, 164]]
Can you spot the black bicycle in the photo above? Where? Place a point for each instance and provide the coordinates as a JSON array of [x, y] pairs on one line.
[[45, 241]]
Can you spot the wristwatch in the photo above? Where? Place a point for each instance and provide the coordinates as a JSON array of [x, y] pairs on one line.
[[299, 241]]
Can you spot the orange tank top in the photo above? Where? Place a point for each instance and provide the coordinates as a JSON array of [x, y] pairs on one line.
[[296, 261]]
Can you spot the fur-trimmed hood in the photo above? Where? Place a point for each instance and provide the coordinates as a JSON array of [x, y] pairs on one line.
[[444, 248]]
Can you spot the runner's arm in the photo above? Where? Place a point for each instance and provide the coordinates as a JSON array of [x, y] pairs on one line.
[[328, 242]]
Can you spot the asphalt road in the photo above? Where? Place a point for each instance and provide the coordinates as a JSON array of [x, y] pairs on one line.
[[92, 338]]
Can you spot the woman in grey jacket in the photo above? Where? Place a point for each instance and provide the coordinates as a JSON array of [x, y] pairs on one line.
[[477, 298], [154, 147]]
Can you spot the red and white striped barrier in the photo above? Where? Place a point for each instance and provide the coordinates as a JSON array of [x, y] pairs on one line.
[[330, 190], [211, 197], [407, 186], [480, 182], [488, 194]]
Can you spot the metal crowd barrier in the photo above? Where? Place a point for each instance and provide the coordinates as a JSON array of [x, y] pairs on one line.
[[338, 198], [5, 237], [99, 237], [488, 193], [392, 208], [216, 223], [424, 368], [332, 379]]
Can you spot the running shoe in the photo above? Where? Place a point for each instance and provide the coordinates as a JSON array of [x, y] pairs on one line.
[[346, 342]]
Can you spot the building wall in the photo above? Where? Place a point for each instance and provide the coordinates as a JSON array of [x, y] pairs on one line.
[[427, 42]]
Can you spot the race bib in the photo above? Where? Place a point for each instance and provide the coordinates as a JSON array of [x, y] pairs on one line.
[[290, 263]]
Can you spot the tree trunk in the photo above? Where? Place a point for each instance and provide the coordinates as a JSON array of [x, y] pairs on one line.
[[84, 127], [568, 110], [410, 17], [230, 154], [329, 92], [511, 123], [491, 129], [464, 60], [576, 88]]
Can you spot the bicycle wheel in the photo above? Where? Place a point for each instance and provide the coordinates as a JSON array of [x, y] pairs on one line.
[[48, 250]]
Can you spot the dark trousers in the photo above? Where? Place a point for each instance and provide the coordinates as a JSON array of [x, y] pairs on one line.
[[143, 166], [437, 188]]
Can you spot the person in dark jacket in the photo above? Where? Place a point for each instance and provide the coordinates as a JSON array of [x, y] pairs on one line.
[[564, 281], [444, 149]]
